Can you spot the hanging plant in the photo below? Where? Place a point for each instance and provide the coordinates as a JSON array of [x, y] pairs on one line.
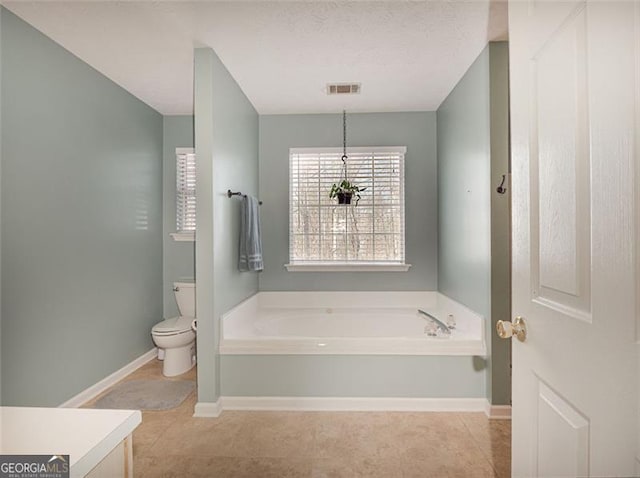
[[345, 190]]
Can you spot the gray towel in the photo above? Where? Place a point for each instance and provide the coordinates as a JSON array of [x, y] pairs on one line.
[[250, 238]]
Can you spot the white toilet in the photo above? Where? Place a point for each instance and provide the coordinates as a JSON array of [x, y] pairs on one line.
[[175, 337]]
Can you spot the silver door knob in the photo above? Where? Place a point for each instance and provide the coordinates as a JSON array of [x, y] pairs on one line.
[[508, 329]]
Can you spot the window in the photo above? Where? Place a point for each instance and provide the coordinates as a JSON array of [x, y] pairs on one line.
[[185, 194], [326, 236]]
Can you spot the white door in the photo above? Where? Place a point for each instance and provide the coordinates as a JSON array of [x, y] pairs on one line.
[[575, 114]]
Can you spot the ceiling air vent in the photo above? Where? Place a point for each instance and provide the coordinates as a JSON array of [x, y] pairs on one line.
[[343, 88]]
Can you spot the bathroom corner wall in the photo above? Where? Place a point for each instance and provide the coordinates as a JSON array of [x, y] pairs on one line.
[[500, 222], [415, 130], [178, 256], [473, 226], [464, 196], [226, 139], [203, 126], [81, 221]]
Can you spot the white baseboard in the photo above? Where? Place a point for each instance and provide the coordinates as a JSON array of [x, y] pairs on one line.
[[207, 409], [96, 389], [353, 404], [497, 412]]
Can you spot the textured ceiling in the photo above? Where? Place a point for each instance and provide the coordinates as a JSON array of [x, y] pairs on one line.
[[407, 55]]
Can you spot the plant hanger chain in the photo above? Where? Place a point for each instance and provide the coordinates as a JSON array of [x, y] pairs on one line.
[[344, 143], [345, 189]]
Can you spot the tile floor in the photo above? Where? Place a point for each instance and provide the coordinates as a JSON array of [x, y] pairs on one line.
[[316, 444]]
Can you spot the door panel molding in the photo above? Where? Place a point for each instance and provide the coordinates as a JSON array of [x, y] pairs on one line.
[[562, 435], [560, 220]]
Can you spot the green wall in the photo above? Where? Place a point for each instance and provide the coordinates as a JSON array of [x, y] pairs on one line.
[[87, 202], [178, 256], [226, 139], [500, 222], [464, 165], [81, 221], [353, 376], [416, 131], [473, 225]]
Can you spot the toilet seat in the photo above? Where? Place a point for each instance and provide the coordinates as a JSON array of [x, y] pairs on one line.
[[173, 326]]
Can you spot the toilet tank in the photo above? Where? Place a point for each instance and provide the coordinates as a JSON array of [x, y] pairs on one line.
[[185, 293]]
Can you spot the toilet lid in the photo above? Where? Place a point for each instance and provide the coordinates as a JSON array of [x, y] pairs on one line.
[[172, 326]]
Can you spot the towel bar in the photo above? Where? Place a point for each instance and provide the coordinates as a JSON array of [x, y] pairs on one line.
[[231, 194]]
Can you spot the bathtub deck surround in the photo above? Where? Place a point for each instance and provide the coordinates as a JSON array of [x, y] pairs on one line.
[[350, 323], [350, 351]]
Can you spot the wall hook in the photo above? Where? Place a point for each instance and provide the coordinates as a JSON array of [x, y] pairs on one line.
[[501, 189]]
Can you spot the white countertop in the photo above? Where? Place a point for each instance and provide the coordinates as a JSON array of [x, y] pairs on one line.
[[86, 435]]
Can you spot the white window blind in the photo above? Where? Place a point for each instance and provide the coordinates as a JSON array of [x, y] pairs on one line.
[[323, 232], [185, 190]]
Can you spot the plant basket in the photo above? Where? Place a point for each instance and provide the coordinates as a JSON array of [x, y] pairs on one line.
[[344, 198]]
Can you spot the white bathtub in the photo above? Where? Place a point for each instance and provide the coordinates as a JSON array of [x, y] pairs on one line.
[[348, 323]]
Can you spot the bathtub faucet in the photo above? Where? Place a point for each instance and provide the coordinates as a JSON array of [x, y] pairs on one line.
[[445, 330]]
